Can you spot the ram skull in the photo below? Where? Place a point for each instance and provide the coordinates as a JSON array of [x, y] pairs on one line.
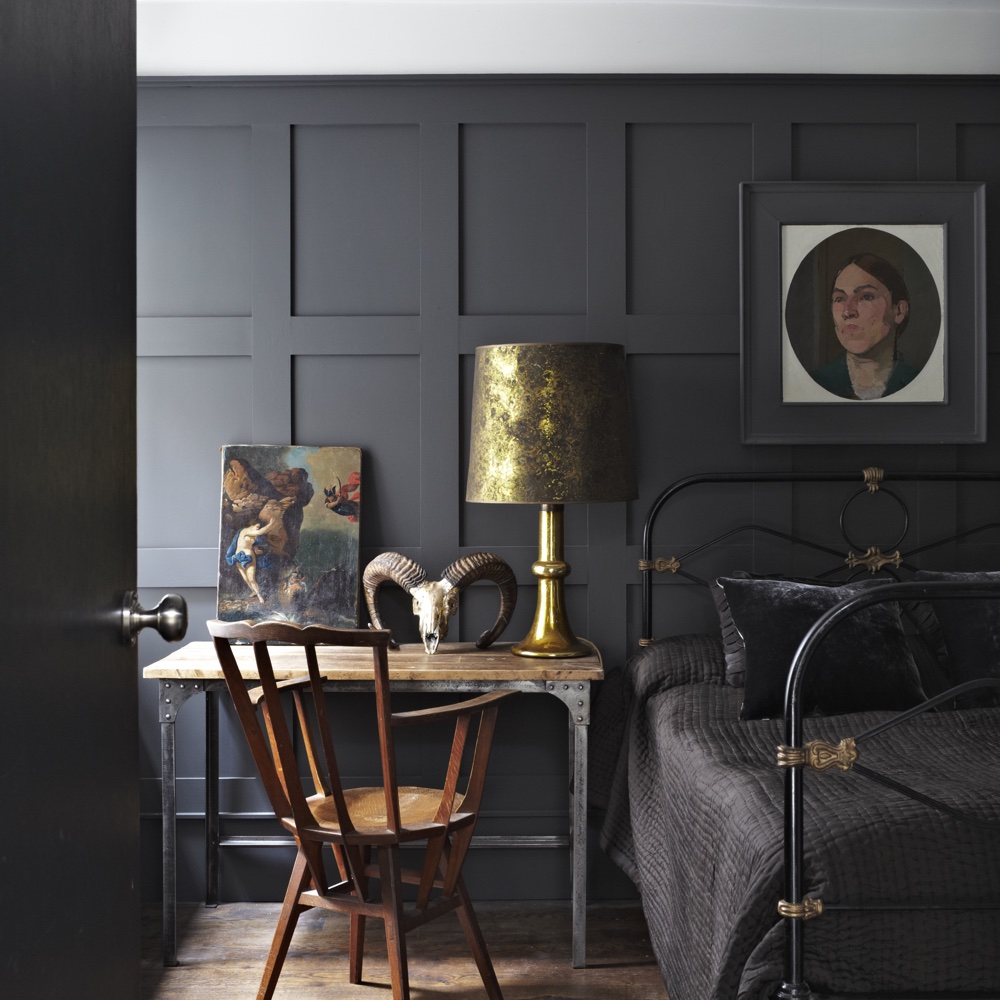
[[435, 601]]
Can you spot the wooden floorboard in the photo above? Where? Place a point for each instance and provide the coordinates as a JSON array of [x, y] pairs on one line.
[[221, 951]]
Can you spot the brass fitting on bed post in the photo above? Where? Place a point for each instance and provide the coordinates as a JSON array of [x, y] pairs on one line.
[[806, 910], [661, 565], [874, 559], [873, 476], [820, 755]]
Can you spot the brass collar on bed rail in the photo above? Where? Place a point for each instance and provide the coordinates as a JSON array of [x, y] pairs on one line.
[[806, 910], [820, 755], [660, 565]]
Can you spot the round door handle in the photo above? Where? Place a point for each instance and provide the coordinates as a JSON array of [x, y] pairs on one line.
[[169, 617]]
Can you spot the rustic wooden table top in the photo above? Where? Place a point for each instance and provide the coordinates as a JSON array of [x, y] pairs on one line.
[[453, 661]]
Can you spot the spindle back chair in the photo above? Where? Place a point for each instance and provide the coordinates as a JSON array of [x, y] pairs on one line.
[[358, 821]]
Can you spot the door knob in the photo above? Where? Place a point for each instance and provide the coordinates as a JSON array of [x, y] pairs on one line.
[[169, 617]]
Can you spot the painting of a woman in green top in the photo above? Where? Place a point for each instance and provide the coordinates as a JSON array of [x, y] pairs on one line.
[[863, 317], [870, 307]]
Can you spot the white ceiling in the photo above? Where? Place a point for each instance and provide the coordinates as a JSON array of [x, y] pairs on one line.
[[349, 37]]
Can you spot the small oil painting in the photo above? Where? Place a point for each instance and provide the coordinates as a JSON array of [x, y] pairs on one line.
[[863, 317], [289, 534]]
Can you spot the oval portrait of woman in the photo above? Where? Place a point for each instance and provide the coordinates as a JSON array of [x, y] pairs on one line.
[[863, 318]]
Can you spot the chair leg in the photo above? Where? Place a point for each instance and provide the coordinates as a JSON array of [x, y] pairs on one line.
[[290, 910], [357, 942], [392, 909], [357, 955], [477, 943]]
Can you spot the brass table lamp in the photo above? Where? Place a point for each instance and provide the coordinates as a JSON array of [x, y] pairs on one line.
[[550, 425]]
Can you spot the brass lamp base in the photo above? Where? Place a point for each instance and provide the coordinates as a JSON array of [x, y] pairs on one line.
[[550, 635]]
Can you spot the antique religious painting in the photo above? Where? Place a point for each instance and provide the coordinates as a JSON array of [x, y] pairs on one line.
[[863, 317], [862, 312], [289, 534]]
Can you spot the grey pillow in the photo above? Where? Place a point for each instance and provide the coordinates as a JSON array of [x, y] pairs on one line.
[[732, 641], [971, 629], [865, 663]]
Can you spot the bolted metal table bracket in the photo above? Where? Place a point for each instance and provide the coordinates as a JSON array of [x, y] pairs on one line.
[[173, 694], [575, 695]]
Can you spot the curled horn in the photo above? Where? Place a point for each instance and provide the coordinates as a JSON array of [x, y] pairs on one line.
[[392, 566], [486, 566]]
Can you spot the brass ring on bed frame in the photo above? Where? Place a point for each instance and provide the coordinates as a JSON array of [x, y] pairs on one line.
[[873, 549]]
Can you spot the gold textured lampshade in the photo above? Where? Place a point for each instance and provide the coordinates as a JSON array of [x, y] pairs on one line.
[[550, 425]]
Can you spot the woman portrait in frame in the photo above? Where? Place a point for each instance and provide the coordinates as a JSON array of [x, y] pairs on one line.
[[863, 314]]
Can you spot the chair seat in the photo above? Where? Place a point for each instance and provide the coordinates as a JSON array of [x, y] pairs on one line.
[[417, 806]]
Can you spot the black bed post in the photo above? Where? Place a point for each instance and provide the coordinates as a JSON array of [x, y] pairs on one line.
[[794, 986]]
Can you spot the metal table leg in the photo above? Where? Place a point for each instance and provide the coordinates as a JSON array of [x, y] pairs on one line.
[[579, 848], [168, 798], [172, 695], [575, 696], [211, 798]]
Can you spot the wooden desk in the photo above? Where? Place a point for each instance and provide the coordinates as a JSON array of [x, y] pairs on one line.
[[456, 667]]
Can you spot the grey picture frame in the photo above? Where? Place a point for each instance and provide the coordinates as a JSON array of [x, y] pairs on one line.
[[958, 208]]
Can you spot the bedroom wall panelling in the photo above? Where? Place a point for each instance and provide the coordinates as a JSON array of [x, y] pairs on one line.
[[318, 260]]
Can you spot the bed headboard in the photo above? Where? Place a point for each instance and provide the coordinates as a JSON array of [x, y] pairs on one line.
[[895, 561]]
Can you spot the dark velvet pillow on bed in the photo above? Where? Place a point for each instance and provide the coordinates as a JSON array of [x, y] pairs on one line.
[[732, 641], [865, 663], [971, 629], [919, 622]]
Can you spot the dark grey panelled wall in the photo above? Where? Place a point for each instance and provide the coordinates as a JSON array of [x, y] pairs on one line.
[[318, 261]]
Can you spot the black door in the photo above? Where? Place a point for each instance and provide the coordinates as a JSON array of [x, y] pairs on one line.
[[69, 915]]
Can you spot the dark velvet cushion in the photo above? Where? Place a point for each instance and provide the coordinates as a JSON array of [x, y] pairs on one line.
[[865, 663], [971, 629], [732, 641], [919, 622]]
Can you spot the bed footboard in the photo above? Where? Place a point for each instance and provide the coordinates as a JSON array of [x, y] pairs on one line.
[[796, 756]]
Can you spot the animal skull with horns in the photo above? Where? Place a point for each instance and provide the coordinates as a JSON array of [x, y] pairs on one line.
[[435, 601]]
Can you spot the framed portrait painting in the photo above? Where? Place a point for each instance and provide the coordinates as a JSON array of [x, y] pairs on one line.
[[863, 313]]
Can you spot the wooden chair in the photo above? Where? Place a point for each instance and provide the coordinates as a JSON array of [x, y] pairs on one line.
[[356, 821]]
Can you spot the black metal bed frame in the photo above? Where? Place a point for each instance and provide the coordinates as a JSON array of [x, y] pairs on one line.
[[794, 756]]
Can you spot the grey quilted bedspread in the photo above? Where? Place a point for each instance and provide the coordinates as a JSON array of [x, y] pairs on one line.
[[694, 816]]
